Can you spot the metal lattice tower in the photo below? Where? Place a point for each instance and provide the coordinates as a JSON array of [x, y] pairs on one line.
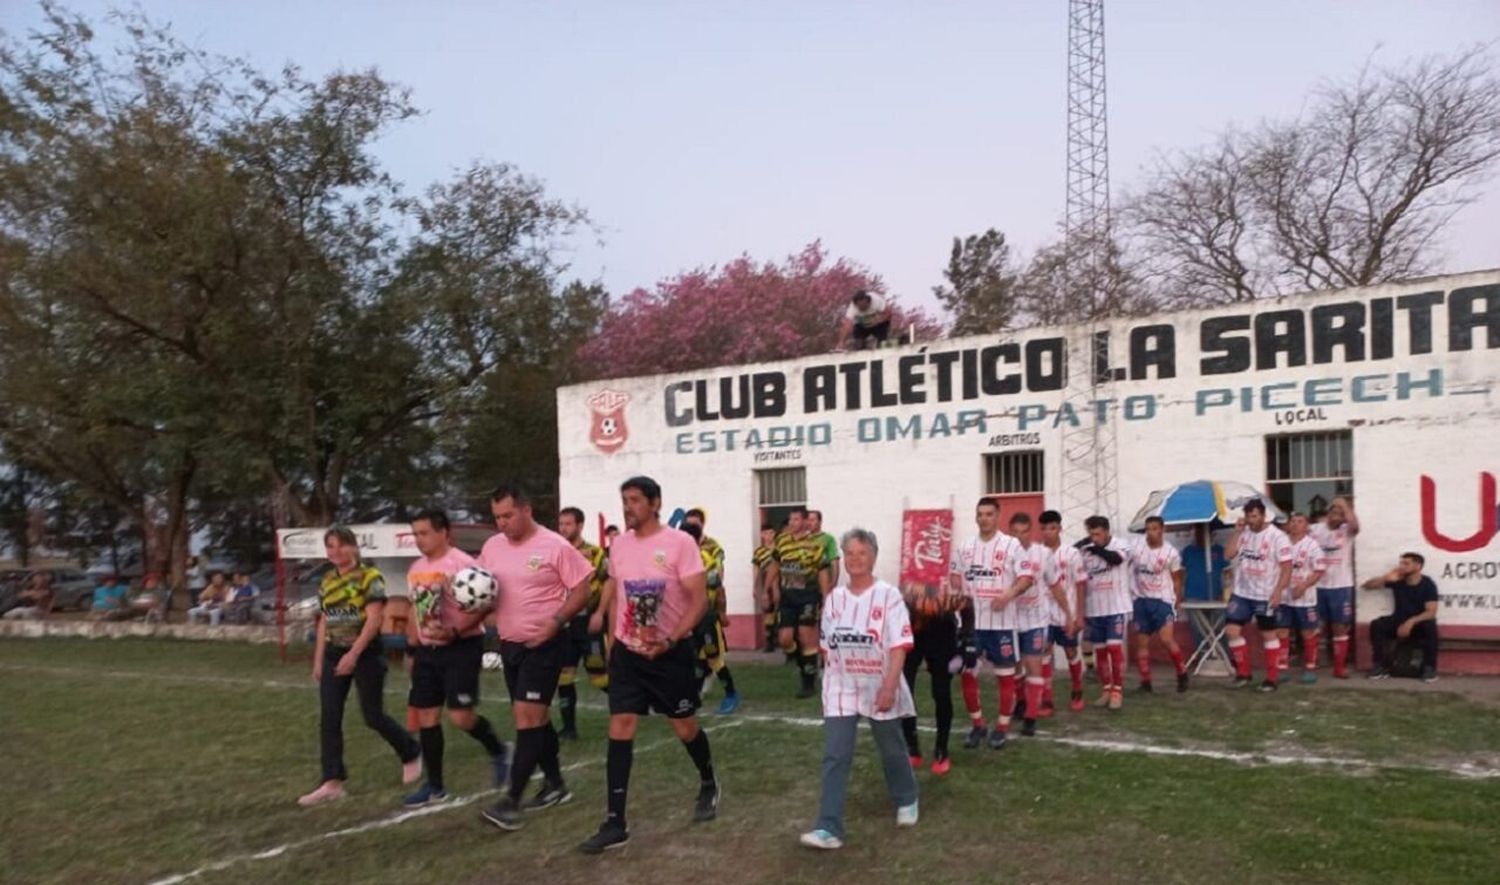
[[1090, 466]]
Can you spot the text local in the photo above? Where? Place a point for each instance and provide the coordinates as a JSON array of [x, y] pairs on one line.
[[1343, 332]]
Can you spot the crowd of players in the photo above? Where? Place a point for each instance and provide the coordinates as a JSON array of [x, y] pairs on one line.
[[645, 621]]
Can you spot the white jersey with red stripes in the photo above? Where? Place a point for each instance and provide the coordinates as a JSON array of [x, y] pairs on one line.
[[1108, 590], [1063, 565], [1257, 565], [857, 635], [1338, 554], [1152, 569], [1030, 609], [983, 566], [1307, 559]]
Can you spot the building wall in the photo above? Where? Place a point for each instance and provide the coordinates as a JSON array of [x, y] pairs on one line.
[[1410, 370]]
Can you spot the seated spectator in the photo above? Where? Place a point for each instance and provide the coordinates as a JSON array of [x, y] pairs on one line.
[[211, 601], [110, 602], [243, 598], [1203, 580], [36, 599], [151, 600], [1412, 620], [867, 319]]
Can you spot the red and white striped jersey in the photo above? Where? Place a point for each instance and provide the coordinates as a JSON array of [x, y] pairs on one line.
[[1109, 585], [1152, 568], [857, 635], [1066, 566], [1258, 563], [1338, 554], [1307, 558], [1030, 608], [983, 566]]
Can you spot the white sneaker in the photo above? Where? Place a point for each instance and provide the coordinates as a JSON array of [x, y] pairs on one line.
[[906, 815], [328, 791], [822, 839]]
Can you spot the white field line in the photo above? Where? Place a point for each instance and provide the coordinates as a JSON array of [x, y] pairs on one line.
[[1462, 770], [390, 820]]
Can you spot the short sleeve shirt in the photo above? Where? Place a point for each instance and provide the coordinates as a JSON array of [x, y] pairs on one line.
[[1152, 569], [858, 633], [1337, 554], [1066, 566], [1411, 600], [600, 563], [800, 560], [344, 598], [987, 569], [1307, 559], [1108, 591], [534, 577], [650, 601], [1031, 609], [866, 317], [1257, 566], [429, 581]]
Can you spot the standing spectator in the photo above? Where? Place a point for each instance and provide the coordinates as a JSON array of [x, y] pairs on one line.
[[1413, 619], [110, 599], [829, 542], [36, 600], [1336, 587], [196, 578], [211, 601], [867, 319], [1203, 580], [865, 639]]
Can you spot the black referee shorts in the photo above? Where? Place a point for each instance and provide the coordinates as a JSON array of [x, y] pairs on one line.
[[446, 674], [667, 684], [531, 674]]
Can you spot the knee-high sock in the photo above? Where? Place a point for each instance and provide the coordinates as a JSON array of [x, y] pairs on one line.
[[1143, 664], [1075, 671], [529, 748], [1340, 655], [432, 755], [969, 686], [1273, 660], [727, 678], [1007, 700], [1102, 667], [550, 764], [1034, 686], [1239, 653], [1047, 682], [1179, 662], [1310, 654], [697, 748], [617, 777], [567, 704], [1117, 664]]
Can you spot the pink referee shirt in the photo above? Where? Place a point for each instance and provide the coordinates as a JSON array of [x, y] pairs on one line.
[[535, 577]]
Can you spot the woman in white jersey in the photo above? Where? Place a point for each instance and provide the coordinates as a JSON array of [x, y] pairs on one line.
[[865, 636]]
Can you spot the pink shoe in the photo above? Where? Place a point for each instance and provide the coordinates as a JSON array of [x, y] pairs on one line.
[[411, 772], [941, 766], [328, 791]]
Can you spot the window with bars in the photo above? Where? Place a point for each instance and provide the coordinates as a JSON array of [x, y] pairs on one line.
[[1305, 471], [1014, 473], [781, 487]]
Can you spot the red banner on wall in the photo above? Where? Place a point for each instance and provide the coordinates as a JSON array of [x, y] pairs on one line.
[[926, 546]]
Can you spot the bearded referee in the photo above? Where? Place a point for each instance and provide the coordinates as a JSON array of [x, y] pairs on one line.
[[543, 582], [659, 595]]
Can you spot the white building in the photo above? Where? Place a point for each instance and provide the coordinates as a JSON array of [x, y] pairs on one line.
[[1388, 393]]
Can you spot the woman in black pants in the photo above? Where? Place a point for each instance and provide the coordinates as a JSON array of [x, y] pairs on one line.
[[352, 602], [935, 637]]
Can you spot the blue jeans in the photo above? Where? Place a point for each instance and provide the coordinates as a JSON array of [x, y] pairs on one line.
[[839, 733]]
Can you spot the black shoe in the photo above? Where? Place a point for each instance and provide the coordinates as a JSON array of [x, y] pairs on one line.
[[610, 836], [1268, 686], [807, 691], [568, 734], [1379, 673], [1145, 688], [997, 740], [1429, 674], [1242, 681], [505, 815], [548, 796], [977, 734], [1182, 682], [706, 808], [1028, 728]]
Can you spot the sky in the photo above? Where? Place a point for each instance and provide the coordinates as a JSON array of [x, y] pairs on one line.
[[694, 132]]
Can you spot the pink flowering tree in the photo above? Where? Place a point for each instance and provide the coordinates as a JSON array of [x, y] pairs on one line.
[[743, 312]]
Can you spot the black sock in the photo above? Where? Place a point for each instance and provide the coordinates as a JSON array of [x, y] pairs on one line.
[[909, 731], [432, 755], [567, 702], [617, 776], [529, 743], [727, 679], [485, 734], [551, 769], [698, 749], [809, 668]]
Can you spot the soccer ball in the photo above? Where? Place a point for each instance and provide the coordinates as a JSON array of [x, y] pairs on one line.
[[474, 588], [490, 661]]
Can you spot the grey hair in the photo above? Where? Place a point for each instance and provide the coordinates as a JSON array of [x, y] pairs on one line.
[[864, 536]]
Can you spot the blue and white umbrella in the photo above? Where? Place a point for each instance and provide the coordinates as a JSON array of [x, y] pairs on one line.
[[1213, 502]]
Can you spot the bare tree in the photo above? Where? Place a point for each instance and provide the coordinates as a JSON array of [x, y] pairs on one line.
[[1355, 191], [1053, 290]]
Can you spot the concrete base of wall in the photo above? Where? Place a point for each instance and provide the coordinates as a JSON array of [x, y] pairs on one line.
[[126, 629]]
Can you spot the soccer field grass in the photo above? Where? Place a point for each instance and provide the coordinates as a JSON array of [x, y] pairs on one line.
[[138, 761]]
